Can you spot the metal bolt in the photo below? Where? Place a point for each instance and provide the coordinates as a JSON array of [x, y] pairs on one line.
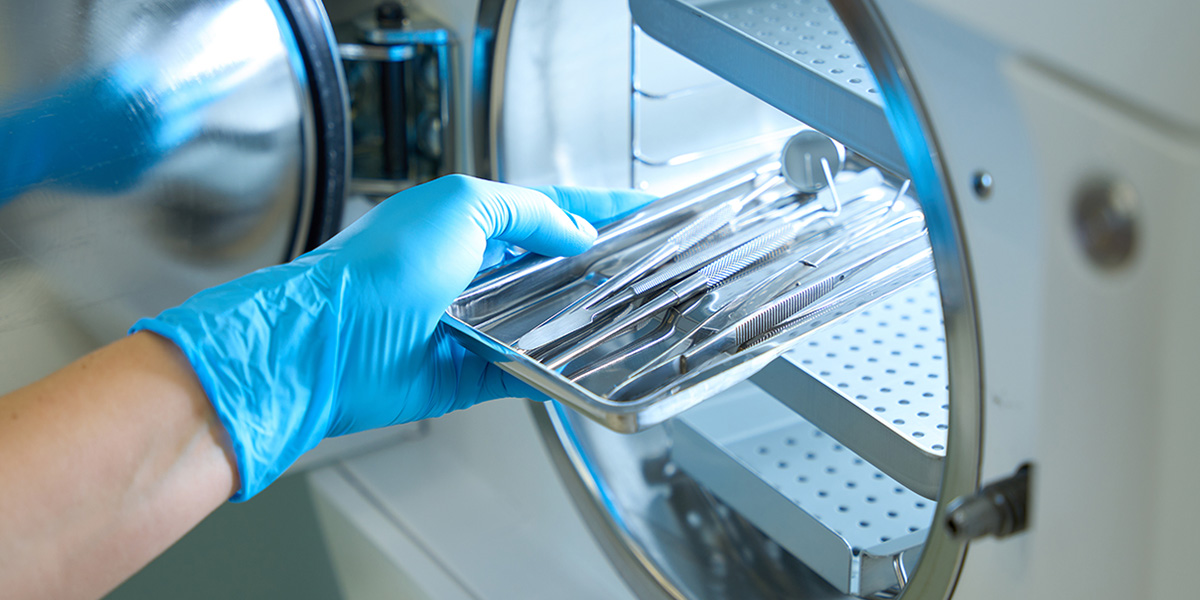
[[1105, 218], [982, 182]]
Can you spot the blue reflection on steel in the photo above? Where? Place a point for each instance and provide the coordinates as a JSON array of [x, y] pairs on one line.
[[98, 132]]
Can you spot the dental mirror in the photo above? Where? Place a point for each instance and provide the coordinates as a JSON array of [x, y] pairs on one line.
[[811, 159]]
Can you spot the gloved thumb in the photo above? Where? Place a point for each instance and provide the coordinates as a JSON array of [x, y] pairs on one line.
[[598, 206], [530, 219]]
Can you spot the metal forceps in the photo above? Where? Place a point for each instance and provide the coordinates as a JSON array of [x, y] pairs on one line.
[[683, 241], [911, 269], [861, 229], [764, 219], [738, 324], [773, 279], [781, 274], [706, 279], [570, 323]]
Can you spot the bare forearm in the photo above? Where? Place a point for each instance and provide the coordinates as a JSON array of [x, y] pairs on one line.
[[102, 466]]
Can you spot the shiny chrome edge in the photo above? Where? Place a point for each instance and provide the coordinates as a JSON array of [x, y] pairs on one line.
[[942, 559], [640, 573], [618, 417], [935, 575], [493, 28], [493, 25], [352, 51], [326, 124]]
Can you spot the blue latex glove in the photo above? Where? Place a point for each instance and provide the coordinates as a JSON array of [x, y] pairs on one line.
[[348, 336]]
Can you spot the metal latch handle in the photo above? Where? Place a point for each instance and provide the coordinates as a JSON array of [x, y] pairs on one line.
[[1000, 509]]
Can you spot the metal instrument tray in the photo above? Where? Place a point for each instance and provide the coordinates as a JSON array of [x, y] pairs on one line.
[[611, 383], [804, 63], [851, 523]]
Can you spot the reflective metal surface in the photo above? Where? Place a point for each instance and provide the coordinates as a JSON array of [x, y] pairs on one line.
[[942, 558], [489, 53], [149, 150], [558, 107], [750, 42], [673, 109], [669, 537], [399, 69], [877, 383], [787, 476], [1105, 216], [701, 320]]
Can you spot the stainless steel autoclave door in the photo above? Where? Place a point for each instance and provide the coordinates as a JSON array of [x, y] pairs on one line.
[[149, 150]]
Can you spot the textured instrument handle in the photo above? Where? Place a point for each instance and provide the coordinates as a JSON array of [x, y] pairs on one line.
[[761, 248], [773, 314], [698, 230], [910, 270], [680, 269]]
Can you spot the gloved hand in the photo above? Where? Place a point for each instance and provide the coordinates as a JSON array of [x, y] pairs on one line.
[[347, 337]]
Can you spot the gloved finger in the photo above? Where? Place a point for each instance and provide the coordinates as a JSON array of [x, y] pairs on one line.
[[529, 219], [502, 384], [477, 380], [600, 206], [495, 253], [499, 253]]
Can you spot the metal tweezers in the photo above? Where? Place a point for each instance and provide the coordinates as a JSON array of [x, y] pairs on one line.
[[716, 273], [763, 308], [859, 226], [700, 230], [803, 306], [566, 324], [689, 243]]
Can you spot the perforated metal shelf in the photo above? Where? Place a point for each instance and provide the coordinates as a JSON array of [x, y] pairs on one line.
[[877, 382], [844, 518], [793, 54]]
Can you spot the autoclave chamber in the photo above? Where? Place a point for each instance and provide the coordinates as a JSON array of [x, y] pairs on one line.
[[1054, 169], [829, 472]]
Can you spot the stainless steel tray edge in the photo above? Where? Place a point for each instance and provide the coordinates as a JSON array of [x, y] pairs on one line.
[[623, 417], [916, 469], [831, 400], [765, 461], [620, 417]]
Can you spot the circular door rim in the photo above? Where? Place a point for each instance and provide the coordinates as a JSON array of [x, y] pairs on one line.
[[326, 126], [942, 558]]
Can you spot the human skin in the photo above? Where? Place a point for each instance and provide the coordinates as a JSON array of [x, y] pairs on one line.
[[105, 464]]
